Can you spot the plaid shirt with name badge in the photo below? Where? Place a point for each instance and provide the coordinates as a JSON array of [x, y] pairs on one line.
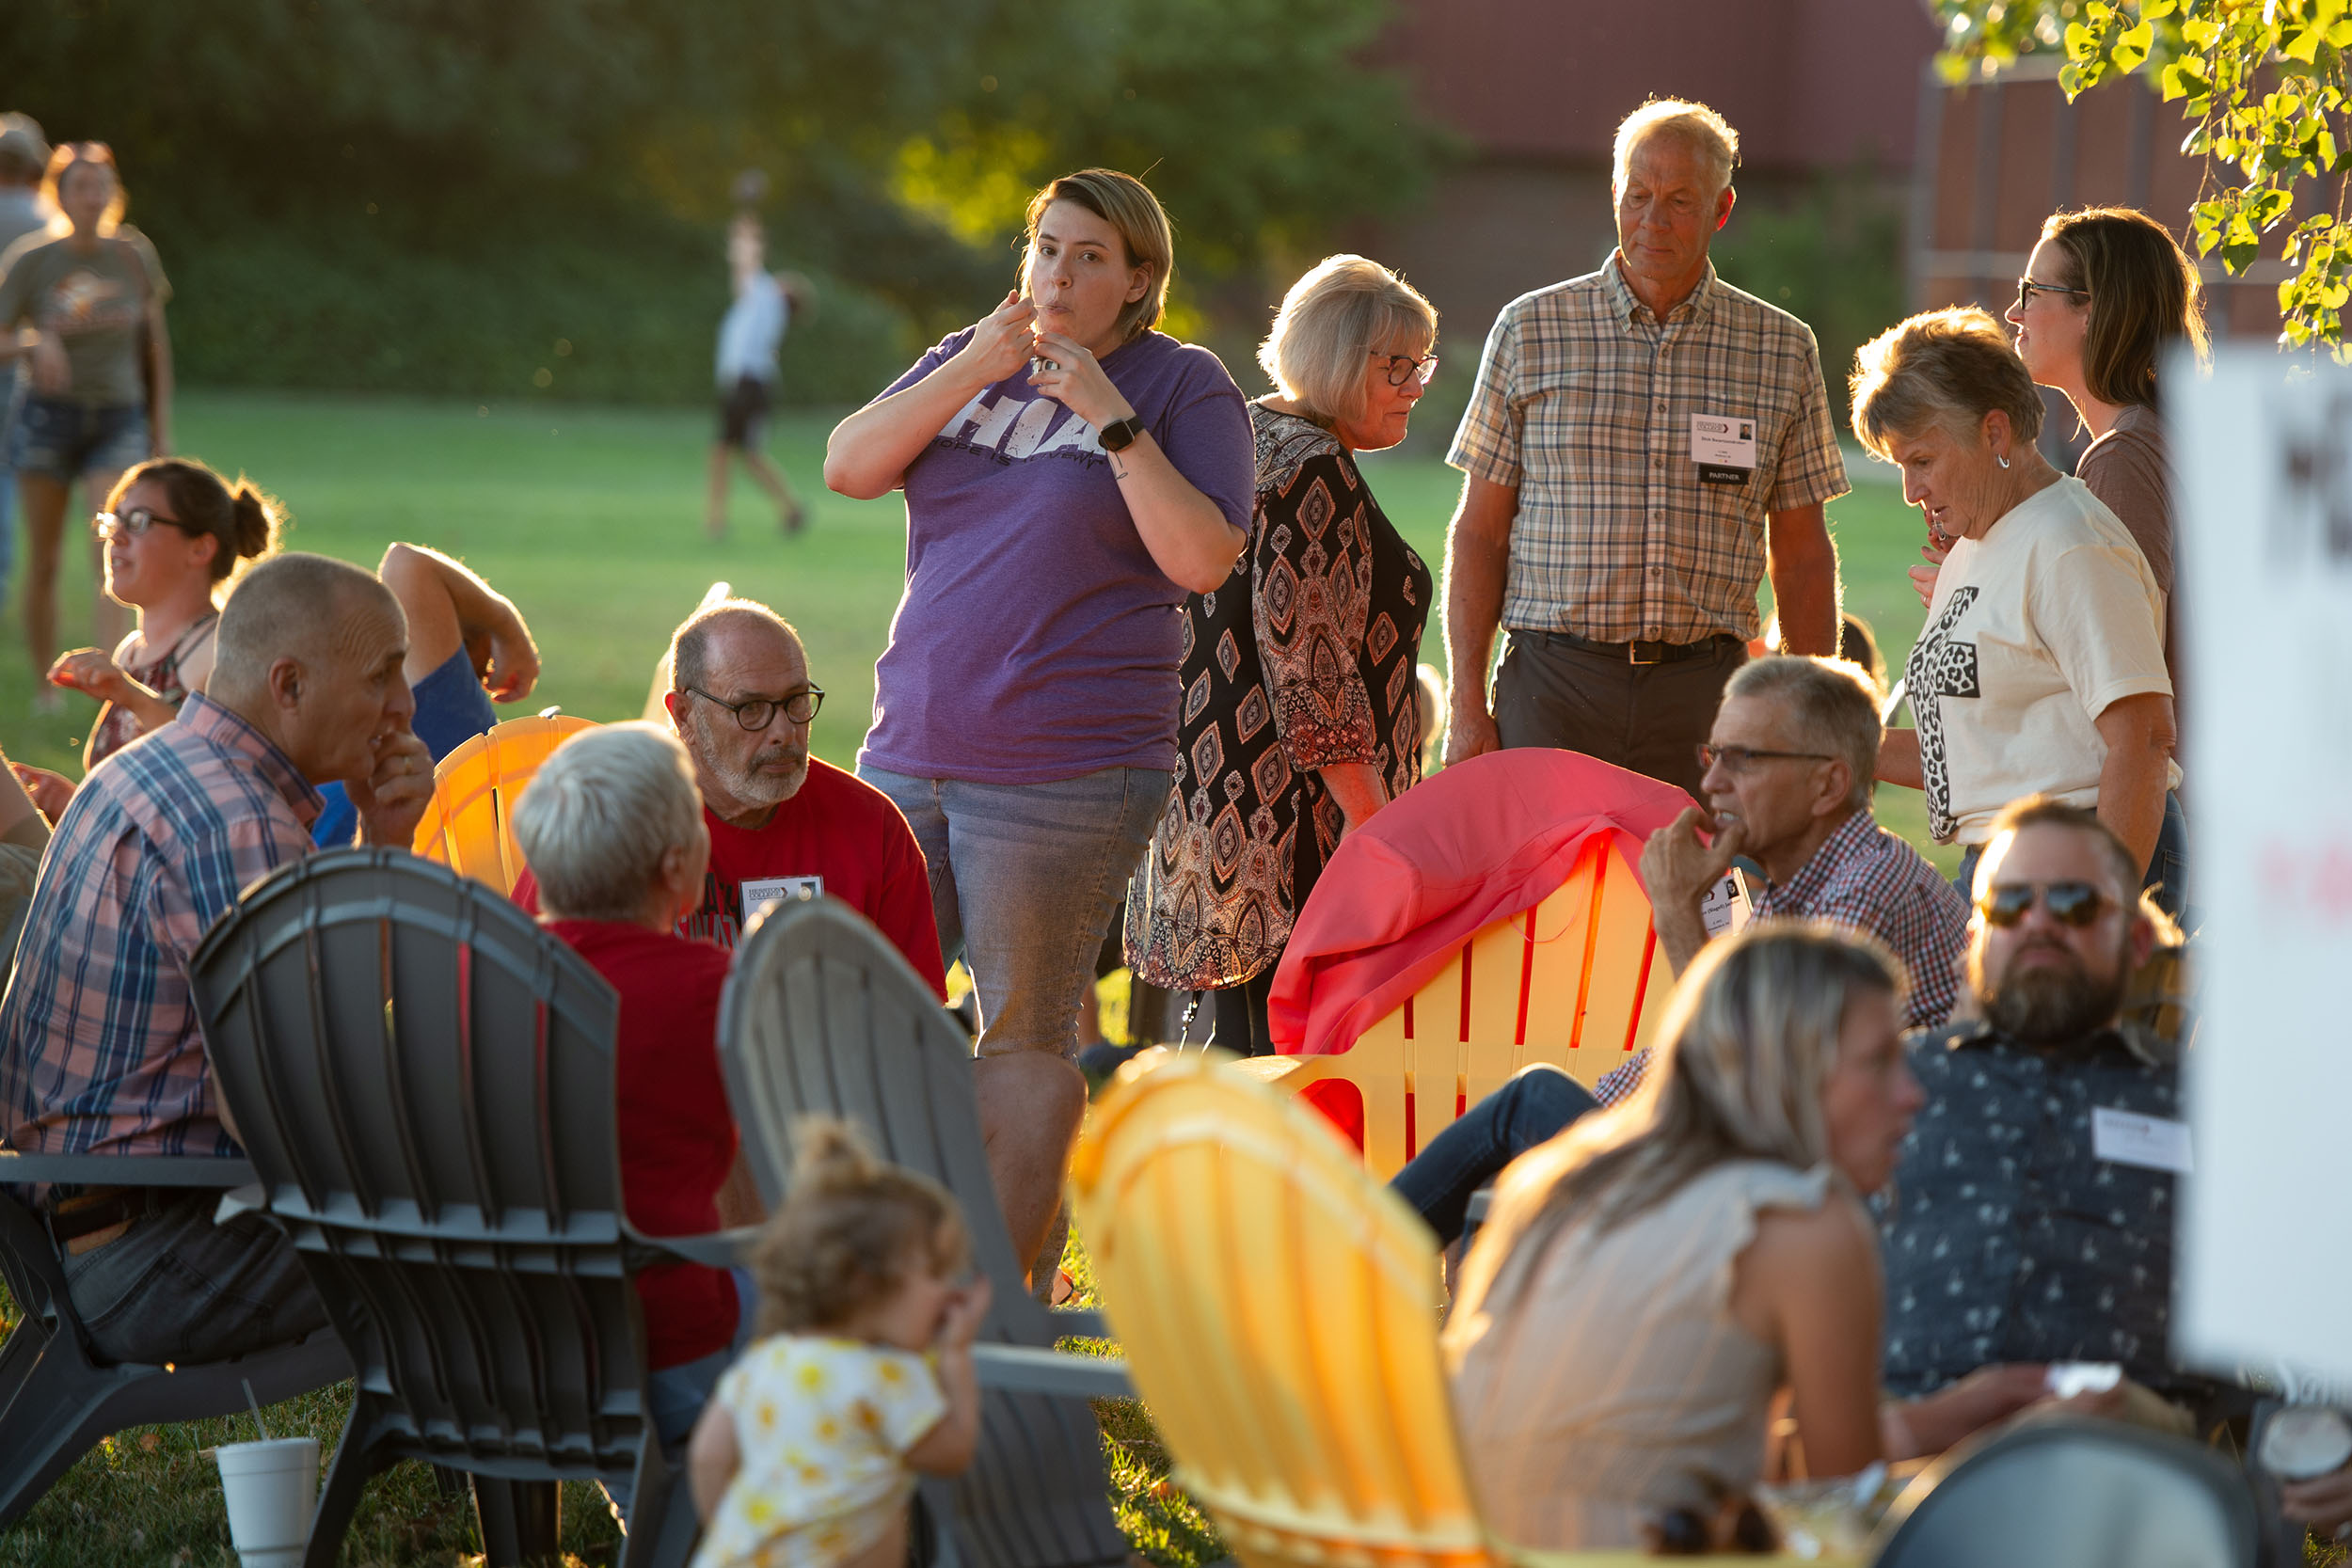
[[99, 1047], [1869, 880], [1584, 402]]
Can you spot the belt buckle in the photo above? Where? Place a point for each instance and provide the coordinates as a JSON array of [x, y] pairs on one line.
[[1633, 652]]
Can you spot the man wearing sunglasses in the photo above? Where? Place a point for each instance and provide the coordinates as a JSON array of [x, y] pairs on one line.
[[2037, 1185]]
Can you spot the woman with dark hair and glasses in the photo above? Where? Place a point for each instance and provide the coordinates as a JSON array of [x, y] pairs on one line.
[[1301, 714]]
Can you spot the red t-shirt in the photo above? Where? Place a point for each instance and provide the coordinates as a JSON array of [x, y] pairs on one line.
[[836, 830], [677, 1137]]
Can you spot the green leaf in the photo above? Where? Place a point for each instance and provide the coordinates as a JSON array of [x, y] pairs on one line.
[[2081, 42], [2153, 9], [2132, 48], [2303, 45], [2182, 79], [2201, 31]]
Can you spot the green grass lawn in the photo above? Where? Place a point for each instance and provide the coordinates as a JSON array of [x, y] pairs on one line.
[[590, 520]]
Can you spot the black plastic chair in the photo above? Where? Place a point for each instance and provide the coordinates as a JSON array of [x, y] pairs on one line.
[[2075, 1493], [424, 1083], [823, 1017], [57, 1398]]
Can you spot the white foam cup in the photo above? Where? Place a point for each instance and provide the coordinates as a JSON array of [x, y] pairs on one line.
[[271, 1488]]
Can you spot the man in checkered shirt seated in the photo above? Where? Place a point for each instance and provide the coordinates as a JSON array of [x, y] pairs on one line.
[[1786, 774]]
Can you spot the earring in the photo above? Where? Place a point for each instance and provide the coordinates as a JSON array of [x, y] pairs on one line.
[[2002, 461]]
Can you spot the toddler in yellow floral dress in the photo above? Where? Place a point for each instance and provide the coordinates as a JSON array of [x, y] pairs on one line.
[[807, 1455]]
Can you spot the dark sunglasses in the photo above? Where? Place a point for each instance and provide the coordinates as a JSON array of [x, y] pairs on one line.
[[1403, 368], [2028, 288], [759, 712], [133, 520], [2076, 904]]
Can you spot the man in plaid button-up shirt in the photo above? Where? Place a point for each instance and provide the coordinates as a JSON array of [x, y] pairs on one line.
[[1643, 445], [100, 1051]]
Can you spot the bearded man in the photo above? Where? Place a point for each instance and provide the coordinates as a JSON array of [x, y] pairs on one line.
[[2031, 1217]]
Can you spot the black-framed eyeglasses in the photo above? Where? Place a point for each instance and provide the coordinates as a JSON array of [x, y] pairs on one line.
[[759, 712], [1736, 759], [2076, 904], [2028, 288], [133, 520], [1404, 367]]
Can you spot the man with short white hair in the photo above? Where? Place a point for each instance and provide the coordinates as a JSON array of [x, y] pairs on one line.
[[1644, 444]]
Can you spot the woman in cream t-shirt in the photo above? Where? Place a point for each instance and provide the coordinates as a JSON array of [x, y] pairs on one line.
[[2041, 668]]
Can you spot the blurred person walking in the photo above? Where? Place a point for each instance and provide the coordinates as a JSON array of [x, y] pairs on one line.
[[101, 397], [1644, 444], [1301, 714], [747, 374], [24, 154]]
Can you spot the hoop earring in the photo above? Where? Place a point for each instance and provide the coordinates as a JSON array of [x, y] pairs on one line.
[[2002, 461]]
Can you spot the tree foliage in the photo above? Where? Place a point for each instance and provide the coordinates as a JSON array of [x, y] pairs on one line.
[[2264, 86]]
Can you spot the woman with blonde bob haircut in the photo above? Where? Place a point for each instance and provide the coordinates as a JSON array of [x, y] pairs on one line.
[[1300, 715], [1719, 1210], [1070, 473]]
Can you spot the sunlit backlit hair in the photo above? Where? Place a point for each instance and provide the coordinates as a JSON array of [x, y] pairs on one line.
[[1343, 312], [1751, 1037], [596, 820], [2145, 295], [1127, 204], [1947, 368], [1832, 703], [64, 157], [242, 519], [850, 1228], [1698, 127]]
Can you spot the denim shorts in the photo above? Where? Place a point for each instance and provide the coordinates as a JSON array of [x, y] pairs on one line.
[[62, 440]]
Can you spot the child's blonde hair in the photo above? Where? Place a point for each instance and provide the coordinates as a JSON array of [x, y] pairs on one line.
[[847, 1230]]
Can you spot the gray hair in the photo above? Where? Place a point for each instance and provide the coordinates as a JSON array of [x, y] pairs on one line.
[[1947, 368], [1343, 311], [289, 606], [689, 646], [594, 822], [1834, 704], [1695, 125]]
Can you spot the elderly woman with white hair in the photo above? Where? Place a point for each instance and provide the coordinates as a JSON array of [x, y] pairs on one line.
[[1299, 717], [613, 830]]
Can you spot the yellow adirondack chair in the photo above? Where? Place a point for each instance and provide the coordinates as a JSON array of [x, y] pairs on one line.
[[1577, 981], [467, 825], [657, 709], [1279, 1311]]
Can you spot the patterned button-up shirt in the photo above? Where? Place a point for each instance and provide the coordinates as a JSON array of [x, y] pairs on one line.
[[99, 1047], [2006, 1237], [1870, 880], [1584, 402]]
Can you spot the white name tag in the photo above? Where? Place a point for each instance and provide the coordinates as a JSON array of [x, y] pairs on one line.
[[2151, 1142], [1724, 447], [760, 892], [1726, 906]]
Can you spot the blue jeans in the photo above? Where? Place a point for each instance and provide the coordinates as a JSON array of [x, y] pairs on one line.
[[60, 440], [1531, 1109], [1024, 879], [175, 1287], [2167, 868], [675, 1394]]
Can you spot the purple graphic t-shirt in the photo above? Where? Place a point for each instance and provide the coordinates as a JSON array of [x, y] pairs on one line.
[[1036, 640]]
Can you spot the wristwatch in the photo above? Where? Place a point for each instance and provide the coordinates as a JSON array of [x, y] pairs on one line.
[[1119, 435]]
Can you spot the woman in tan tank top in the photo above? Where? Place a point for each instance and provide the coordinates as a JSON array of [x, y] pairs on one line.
[[1656, 1275]]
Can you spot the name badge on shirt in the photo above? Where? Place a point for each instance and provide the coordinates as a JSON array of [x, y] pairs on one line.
[[760, 892], [2151, 1142], [1726, 906], [1724, 447]]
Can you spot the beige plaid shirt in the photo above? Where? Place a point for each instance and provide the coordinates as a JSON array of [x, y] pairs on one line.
[[1584, 402]]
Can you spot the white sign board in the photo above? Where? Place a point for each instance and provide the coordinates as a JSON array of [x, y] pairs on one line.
[[2264, 566]]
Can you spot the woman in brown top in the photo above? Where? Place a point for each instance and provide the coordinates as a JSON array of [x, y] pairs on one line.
[[1655, 1274], [1301, 714]]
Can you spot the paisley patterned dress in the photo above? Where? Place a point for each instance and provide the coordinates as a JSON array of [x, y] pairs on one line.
[[1303, 658]]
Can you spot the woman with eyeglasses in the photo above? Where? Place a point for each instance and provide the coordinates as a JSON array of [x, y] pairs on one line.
[[173, 534], [1300, 715], [2041, 670], [1070, 474]]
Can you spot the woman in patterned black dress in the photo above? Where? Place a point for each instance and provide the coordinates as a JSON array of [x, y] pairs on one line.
[[1298, 720]]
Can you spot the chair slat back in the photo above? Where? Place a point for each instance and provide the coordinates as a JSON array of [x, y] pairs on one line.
[[423, 1079], [470, 824], [1278, 1312]]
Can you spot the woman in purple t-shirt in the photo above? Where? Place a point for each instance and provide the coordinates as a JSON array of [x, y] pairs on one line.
[[1069, 475]]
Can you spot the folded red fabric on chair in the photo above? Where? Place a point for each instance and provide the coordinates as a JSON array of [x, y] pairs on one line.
[[1480, 841]]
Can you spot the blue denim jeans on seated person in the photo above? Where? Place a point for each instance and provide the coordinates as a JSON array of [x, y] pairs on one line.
[[2167, 868], [1532, 1108], [1024, 880], [175, 1287]]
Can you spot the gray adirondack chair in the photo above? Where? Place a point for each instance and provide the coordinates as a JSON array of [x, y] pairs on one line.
[[423, 1080], [823, 1016], [57, 1398]]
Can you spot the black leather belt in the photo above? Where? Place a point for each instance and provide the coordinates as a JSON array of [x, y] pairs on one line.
[[73, 1218], [1641, 651]]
